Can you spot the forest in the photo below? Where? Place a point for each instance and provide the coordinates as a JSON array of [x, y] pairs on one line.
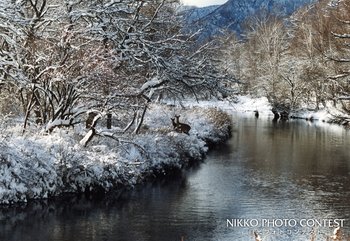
[[63, 59], [297, 63]]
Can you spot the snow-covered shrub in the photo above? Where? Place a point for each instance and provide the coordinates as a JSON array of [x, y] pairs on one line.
[[222, 124], [42, 165], [209, 124], [174, 150], [25, 174]]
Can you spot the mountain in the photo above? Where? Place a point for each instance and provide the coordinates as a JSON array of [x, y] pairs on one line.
[[193, 14], [233, 14]]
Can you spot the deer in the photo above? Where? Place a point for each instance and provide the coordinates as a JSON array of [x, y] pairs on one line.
[[180, 127], [174, 123]]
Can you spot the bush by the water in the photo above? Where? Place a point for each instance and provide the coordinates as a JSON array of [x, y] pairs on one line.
[[40, 165]]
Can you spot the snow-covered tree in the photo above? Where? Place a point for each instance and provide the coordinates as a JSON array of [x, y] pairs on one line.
[[338, 50], [44, 60], [66, 58], [321, 45], [267, 67]]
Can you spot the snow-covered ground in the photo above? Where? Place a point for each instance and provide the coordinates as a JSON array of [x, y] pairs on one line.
[[247, 104], [242, 104], [39, 166], [329, 114]]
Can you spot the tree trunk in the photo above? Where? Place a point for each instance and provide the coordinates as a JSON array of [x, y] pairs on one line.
[[276, 115], [109, 121], [90, 119], [137, 130]]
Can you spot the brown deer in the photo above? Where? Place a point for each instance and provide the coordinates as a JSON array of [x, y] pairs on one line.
[[174, 123], [180, 127]]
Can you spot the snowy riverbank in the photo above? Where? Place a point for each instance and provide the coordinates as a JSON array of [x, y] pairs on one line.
[[39, 166], [247, 104], [34, 166]]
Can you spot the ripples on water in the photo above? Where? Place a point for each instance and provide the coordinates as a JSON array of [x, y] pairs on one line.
[[267, 170]]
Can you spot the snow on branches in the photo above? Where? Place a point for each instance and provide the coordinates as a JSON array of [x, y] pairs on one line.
[[59, 56]]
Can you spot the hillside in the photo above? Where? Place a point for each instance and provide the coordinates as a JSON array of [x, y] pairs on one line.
[[193, 14], [233, 14]]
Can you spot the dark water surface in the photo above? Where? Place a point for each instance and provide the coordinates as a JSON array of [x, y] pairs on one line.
[[268, 171]]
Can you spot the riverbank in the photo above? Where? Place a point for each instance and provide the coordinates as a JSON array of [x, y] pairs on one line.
[[37, 166], [248, 104]]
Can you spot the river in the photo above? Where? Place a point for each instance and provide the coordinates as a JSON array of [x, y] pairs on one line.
[[294, 172]]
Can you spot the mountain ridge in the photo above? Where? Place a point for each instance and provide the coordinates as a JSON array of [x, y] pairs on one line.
[[233, 14]]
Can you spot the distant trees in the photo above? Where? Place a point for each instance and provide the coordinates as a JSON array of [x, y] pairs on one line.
[[338, 51], [300, 62], [321, 30], [267, 64], [269, 43], [62, 59]]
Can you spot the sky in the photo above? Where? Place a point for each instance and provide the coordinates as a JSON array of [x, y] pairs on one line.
[[203, 3]]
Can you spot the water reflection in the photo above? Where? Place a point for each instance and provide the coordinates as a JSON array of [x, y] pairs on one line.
[[295, 169], [267, 170]]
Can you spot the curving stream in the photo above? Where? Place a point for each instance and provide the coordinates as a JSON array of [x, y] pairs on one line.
[[294, 171]]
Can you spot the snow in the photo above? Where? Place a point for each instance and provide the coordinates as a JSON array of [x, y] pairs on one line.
[[57, 122], [249, 104], [86, 138], [151, 83], [240, 104], [329, 114], [34, 166]]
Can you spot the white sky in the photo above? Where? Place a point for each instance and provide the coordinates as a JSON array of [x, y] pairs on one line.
[[203, 3]]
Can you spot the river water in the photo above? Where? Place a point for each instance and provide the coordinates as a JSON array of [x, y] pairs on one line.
[[294, 172]]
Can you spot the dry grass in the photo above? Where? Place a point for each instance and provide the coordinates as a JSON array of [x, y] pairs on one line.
[[218, 117]]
